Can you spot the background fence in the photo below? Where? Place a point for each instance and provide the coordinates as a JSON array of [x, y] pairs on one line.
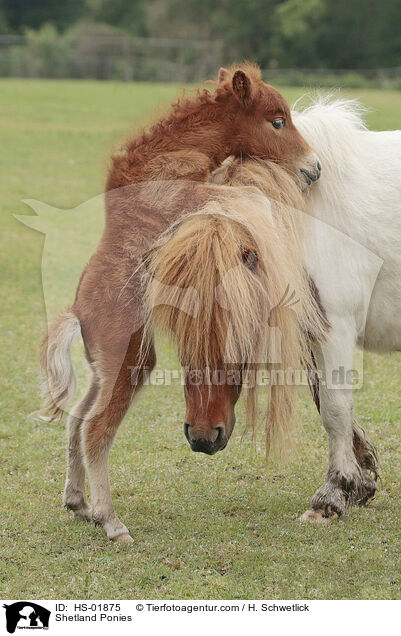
[[99, 53], [108, 56]]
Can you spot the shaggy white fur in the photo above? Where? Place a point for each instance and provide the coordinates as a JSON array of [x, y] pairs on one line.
[[359, 193]]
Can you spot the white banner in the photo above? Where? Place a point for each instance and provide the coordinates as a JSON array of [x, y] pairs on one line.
[[194, 617]]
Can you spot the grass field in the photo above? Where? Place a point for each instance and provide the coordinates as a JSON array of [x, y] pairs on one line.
[[221, 527]]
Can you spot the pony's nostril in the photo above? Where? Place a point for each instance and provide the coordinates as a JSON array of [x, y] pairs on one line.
[[319, 167], [186, 431], [204, 440], [220, 430], [311, 177]]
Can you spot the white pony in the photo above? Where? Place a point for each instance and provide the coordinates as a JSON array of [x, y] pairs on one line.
[[354, 259]]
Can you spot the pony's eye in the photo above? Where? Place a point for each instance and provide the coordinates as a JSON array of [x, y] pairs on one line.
[[249, 258], [279, 122]]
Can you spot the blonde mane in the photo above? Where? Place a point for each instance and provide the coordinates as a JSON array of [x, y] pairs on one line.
[[218, 281]]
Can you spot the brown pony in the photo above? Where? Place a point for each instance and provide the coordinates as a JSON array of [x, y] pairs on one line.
[[228, 283], [160, 175]]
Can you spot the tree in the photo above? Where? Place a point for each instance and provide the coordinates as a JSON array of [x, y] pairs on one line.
[[296, 32], [128, 15], [19, 14]]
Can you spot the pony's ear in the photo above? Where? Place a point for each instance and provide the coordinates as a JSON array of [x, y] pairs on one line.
[[224, 76], [242, 87], [249, 258]]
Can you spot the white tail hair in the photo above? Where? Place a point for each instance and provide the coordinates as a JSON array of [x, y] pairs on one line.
[[59, 382]]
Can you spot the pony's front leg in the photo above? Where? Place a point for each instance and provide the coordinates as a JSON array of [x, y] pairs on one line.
[[98, 435], [348, 480]]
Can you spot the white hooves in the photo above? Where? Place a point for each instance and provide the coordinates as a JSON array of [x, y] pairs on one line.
[[317, 516]]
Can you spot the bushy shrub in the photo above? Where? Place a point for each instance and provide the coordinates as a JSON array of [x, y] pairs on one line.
[[50, 53]]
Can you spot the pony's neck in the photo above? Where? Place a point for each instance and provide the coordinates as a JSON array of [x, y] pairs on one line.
[[202, 126]]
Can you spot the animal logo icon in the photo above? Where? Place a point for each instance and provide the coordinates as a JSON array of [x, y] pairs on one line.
[[26, 615]]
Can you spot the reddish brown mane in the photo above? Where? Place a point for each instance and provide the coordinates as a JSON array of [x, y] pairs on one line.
[[189, 105], [183, 108]]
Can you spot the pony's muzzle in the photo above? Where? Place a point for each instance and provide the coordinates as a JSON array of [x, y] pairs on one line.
[[312, 171], [206, 441]]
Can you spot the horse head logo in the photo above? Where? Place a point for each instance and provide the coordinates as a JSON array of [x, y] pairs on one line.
[[26, 615]]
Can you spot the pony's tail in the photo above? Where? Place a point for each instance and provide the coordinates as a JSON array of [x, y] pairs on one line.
[[55, 358]]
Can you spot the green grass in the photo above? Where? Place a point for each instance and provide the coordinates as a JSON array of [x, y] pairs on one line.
[[221, 527]]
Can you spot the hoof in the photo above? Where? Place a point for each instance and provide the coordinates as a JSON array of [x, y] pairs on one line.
[[123, 538], [329, 501], [366, 492], [83, 515], [82, 512], [315, 516], [366, 502], [76, 501]]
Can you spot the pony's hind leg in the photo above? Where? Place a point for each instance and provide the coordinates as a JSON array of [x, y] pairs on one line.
[[366, 456], [74, 492], [99, 430]]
